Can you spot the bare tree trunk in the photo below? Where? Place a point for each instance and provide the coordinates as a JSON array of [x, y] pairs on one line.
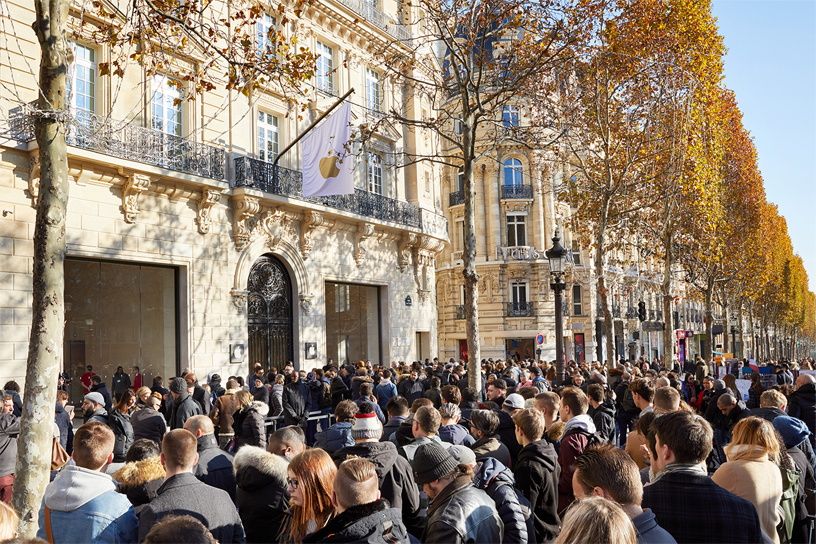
[[47, 325], [668, 330], [709, 323], [741, 333], [727, 347], [603, 294], [469, 272]]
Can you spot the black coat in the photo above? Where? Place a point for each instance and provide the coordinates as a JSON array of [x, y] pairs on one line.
[[148, 423], [102, 389], [185, 493], [140, 481], [181, 409], [462, 514], [120, 383], [372, 523], [390, 428], [214, 466], [297, 403], [802, 405], [339, 391], [537, 473], [66, 427], [507, 433], [203, 399], [604, 419], [261, 497], [768, 413], [693, 509], [249, 426], [497, 481]]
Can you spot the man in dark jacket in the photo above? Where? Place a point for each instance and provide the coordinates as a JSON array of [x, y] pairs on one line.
[[683, 491], [339, 389], [397, 408], [262, 496], [199, 394], [183, 492], [63, 419], [12, 388], [802, 403], [222, 414], [148, 423], [537, 473], [507, 429], [497, 481], [360, 515], [93, 408], [9, 429], [120, 383], [733, 409], [100, 387], [183, 407], [460, 512], [214, 466], [771, 405], [411, 387], [297, 401]]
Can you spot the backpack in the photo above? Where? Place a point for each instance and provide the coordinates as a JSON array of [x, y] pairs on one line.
[[628, 402], [592, 438], [123, 432], [216, 392], [790, 492], [541, 384], [326, 402]]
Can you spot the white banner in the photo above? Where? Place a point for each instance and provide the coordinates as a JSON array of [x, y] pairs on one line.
[[328, 167]]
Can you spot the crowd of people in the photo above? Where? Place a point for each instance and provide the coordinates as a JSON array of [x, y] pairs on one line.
[[412, 453]]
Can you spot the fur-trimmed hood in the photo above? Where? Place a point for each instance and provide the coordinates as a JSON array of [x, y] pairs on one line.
[[362, 379], [138, 473], [556, 431], [256, 468], [261, 407]]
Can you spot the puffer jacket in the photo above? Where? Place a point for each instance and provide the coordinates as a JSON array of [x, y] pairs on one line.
[[497, 481], [372, 523], [140, 481], [335, 437], [249, 425], [462, 514], [356, 382], [222, 411], [456, 435], [261, 496], [537, 473]]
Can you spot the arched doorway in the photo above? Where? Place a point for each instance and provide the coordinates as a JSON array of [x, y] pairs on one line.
[[269, 313]]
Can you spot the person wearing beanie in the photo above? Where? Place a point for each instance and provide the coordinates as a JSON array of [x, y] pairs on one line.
[[397, 484], [794, 433], [93, 407], [183, 407], [460, 512]]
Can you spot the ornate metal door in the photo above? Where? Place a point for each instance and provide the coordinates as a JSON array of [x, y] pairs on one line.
[[269, 314]]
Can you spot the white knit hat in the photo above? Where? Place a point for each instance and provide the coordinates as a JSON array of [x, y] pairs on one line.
[[366, 423]]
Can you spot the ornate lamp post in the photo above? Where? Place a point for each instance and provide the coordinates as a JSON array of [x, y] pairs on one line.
[[557, 255]]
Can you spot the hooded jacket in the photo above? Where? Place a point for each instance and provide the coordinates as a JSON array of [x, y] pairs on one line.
[[261, 496], [140, 481], [9, 429], [356, 382], [385, 391], [456, 435], [222, 411], [148, 423], [802, 405], [214, 466], [497, 481], [249, 426], [604, 419], [85, 507], [66, 427], [394, 473], [537, 477], [372, 523], [335, 437], [573, 443], [491, 446], [182, 409]]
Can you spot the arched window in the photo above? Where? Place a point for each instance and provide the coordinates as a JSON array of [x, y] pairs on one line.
[[513, 174]]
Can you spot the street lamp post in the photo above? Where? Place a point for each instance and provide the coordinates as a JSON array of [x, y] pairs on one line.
[[557, 255], [733, 338]]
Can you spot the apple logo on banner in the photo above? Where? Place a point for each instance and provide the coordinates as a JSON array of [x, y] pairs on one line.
[[328, 167]]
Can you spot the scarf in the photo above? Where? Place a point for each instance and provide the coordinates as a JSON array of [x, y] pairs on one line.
[[679, 468]]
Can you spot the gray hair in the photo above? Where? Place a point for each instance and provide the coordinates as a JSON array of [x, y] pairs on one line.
[[450, 411]]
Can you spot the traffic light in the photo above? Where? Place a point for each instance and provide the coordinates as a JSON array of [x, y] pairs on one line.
[[642, 311]]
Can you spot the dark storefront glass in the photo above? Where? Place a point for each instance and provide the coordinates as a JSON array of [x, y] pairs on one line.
[[352, 322]]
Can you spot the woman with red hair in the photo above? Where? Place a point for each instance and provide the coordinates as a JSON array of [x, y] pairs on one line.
[[311, 482]]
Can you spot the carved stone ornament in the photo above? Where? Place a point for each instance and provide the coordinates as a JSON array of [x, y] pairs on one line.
[[516, 206], [209, 198], [306, 302], [34, 179], [364, 232], [239, 299], [310, 222], [424, 296], [134, 186], [409, 240], [245, 207]]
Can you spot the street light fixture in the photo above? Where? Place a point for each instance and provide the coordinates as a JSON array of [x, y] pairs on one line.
[[557, 255]]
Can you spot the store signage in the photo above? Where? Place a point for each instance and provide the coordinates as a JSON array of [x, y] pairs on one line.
[[517, 253]]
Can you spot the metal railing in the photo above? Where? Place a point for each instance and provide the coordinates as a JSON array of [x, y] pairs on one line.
[[460, 312], [520, 309], [517, 191], [326, 87], [378, 18], [124, 140], [457, 198], [282, 181], [313, 416]]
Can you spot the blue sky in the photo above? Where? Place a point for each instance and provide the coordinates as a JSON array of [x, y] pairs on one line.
[[771, 66]]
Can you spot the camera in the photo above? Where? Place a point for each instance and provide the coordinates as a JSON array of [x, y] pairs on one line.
[[66, 378]]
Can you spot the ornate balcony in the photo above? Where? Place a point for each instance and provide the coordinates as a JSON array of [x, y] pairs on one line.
[[517, 191], [457, 198], [327, 87], [631, 312], [378, 18], [124, 140], [520, 309], [278, 180], [460, 312]]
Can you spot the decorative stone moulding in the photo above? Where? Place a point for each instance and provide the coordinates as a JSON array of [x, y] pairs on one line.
[[310, 222], [245, 208], [364, 232], [209, 198], [239, 299], [134, 187]]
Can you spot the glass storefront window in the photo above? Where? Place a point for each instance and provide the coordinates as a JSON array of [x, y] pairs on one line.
[[119, 315], [352, 322]]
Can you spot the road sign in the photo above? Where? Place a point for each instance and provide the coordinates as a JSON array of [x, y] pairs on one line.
[[540, 339]]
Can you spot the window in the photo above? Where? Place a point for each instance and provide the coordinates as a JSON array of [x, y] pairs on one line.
[[267, 136], [518, 293], [576, 255], [460, 231], [166, 105], [353, 322], [512, 172], [460, 180], [427, 182], [510, 116], [265, 26], [577, 306], [373, 90], [516, 232], [375, 174], [325, 69], [458, 127], [341, 298], [82, 80]]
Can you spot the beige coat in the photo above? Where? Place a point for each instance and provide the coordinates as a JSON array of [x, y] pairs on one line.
[[633, 443], [756, 479]]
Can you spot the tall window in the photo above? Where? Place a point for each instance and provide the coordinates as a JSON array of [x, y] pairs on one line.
[[265, 27], [518, 292], [375, 174], [460, 231], [267, 136], [510, 116], [576, 254], [325, 68], [82, 80], [458, 128], [516, 232], [513, 174], [460, 179], [373, 90], [166, 104], [577, 306], [427, 182]]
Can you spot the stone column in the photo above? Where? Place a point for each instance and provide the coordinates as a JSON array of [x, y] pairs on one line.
[[492, 208], [482, 224]]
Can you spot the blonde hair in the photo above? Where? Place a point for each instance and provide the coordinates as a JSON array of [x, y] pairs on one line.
[[9, 520], [596, 520], [243, 398], [143, 390], [754, 431]]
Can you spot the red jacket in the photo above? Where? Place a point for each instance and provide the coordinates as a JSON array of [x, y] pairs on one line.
[[573, 444]]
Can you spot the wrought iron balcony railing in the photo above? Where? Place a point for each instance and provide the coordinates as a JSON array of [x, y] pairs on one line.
[[326, 87], [520, 309], [517, 191], [125, 140], [457, 197], [631, 313], [282, 181], [460, 312], [378, 18]]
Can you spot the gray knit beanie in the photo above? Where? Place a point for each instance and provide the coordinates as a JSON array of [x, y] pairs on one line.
[[432, 462]]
